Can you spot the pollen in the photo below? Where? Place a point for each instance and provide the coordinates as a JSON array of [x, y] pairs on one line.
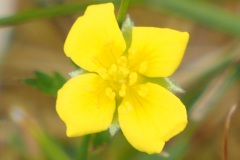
[[119, 77]]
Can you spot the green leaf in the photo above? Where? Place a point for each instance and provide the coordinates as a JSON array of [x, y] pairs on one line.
[[46, 83]]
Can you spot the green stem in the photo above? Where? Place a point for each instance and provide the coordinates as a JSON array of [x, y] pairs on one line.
[[122, 12], [83, 151]]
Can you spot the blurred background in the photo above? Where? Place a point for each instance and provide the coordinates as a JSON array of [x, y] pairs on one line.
[[32, 35]]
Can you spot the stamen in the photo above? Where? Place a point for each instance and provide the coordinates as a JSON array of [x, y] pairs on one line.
[[123, 61], [109, 92], [122, 81], [132, 78], [119, 77], [123, 71], [122, 91]]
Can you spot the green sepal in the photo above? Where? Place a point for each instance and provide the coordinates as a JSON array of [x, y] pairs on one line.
[[127, 27], [114, 126], [77, 72], [46, 83], [167, 83]]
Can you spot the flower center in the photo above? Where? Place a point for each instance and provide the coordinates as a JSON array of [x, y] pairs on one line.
[[119, 76]]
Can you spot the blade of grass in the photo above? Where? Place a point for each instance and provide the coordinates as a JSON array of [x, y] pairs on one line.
[[181, 143], [198, 11], [48, 12], [197, 83], [50, 148]]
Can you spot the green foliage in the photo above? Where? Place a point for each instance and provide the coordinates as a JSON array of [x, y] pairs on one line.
[[46, 83]]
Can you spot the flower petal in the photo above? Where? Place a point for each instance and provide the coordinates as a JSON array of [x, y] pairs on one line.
[[84, 105], [156, 52], [149, 115], [95, 39]]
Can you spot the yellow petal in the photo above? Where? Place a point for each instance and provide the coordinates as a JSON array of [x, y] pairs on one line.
[[149, 115], [95, 39], [84, 105], [157, 52]]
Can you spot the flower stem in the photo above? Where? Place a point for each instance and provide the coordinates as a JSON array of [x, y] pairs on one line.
[[122, 12], [83, 152]]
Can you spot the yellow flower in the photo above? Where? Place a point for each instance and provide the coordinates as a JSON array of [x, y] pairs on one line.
[[116, 80]]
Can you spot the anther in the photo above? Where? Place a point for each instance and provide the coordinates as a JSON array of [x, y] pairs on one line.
[[109, 92], [122, 91], [123, 61], [124, 71], [132, 78]]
